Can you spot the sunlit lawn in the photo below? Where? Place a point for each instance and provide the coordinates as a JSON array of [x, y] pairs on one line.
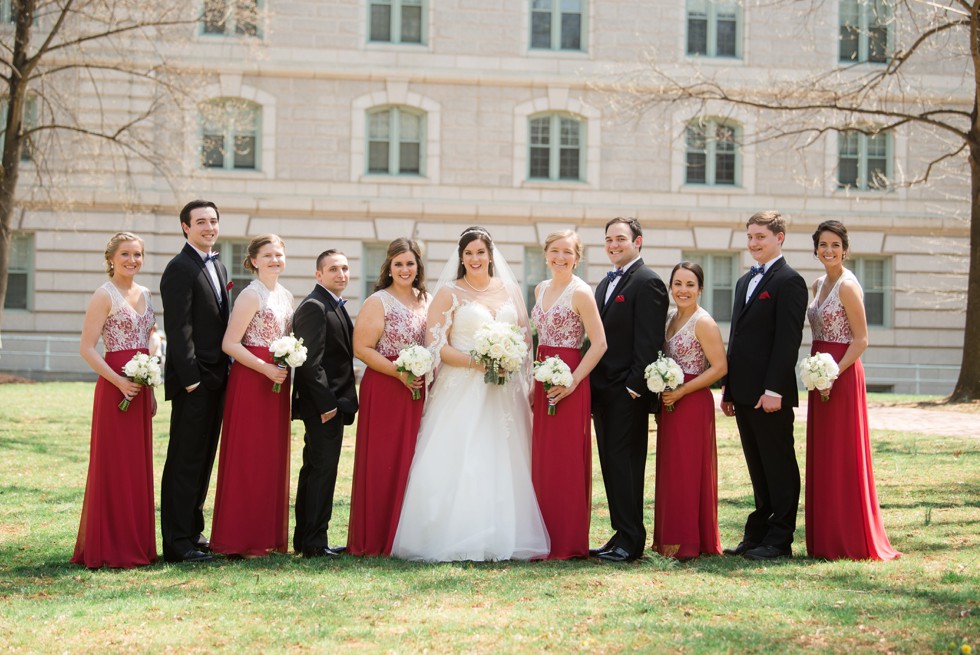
[[927, 601]]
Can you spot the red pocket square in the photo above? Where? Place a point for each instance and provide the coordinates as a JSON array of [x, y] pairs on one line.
[[229, 285], [764, 295], [620, 298]]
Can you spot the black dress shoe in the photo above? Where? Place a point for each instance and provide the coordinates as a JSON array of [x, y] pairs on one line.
[[339, 550], [741, 548], [765, 552], [204, 547], [617, 554], [323, 551], [193, 555], [594, 552]]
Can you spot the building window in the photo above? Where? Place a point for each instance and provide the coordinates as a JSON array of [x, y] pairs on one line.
[[535, 270], [8, 11], [712, 154], [29, 123], [20, 271], [396, 138], [557, 24], [865, 30], [233, 253], [720, 275], [372, 257], [713, 28], [231, 17], [230, 131], [865, 160], [397, 21], [873, 273], [556, 147]]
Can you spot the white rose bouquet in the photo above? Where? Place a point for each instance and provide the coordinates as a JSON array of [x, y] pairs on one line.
[[552, 372], [144, 370], [501, 348], [818, 371], [415, 360], [664, 375], [286, 351]]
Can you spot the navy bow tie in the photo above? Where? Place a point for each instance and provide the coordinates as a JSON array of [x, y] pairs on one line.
[[210, 258], [612, 275], [341, 302], [757, 270]]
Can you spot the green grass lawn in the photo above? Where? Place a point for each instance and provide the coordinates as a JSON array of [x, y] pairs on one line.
[[927, 601]]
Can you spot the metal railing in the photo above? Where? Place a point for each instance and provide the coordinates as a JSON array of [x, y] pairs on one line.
[[40, 352], [932, 379]]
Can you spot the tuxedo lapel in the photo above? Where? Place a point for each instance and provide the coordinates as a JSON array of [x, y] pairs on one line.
[[219, 295], [766, 277], [620, 289]]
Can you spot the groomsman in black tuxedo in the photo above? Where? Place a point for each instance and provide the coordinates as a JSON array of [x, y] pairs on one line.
[[760, 389], [195, 303], [633, 305], [324, 398]]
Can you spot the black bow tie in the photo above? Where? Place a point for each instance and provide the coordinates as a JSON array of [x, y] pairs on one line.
[[210, 258], [757, 270], [612, 275]]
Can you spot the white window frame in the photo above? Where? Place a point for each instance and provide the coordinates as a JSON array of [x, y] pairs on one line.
[[863, 183], [858, 264], [555, 31], [231, 19], [229, 134], [7, 15], [866, 12], [555, 146], [233, 253], [26, 238], [711, 152], [30, 122], [396, 24], [711, 10], [373, 255], [711, 263], [394, 140]]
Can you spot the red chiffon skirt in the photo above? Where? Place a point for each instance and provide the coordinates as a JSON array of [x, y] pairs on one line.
[[561, 462], [252, 499], [685, 509], [387, 429], [118, 525], [843, 520]]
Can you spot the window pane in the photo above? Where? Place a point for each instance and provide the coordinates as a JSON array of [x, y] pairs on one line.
[[411, 24], [540, 128], [697, 36], [215, 16], [722, 308], [847, 172], [873, 274], [16, 291], [878, 44], [213, 151], [724, 168], [540, 29], [410, 126], [539, 162], [726, 28], [568, 164], [247, 17], [378, 157], [19, 264], [244, 151], [380, 22], [571, 32], [874, 307], [570, 131], [848, 43], [696, 170], [408, 157], [379, 125]]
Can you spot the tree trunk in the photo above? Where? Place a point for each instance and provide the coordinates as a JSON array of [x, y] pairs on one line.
[[968, 385]]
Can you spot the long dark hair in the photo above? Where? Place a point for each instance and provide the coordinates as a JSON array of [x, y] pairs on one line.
[[468, 236], [400, 246]]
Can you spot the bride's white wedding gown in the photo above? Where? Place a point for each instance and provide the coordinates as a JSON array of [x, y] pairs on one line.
[[469, 493]]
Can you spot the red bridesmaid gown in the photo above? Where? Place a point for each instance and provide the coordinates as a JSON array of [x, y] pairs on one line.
[[118, 524], [387, 429], [561, 444], [843, 518], [685, 510], [251, 504]]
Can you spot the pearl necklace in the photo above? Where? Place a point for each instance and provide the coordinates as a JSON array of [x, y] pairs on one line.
[[466, 282]]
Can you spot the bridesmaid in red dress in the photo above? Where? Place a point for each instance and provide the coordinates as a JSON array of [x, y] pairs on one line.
[[392, 318], [252, 499], [843, 520], [564, 313], [117, 528], [685, 509]]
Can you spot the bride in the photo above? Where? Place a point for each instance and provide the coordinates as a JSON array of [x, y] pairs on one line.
[[469, 493]]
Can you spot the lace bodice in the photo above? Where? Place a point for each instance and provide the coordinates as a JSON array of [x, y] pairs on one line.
[[274, 318], [125, 328], [828, 321], [403, 326], [684, 347], [560, 326], [471, 316]]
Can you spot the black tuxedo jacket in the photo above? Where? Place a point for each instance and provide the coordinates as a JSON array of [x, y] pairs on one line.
[[765, 336], [194, 321], [326, 380], [634, 320]]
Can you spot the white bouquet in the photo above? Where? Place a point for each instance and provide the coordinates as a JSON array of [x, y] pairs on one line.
[[415, 360], [501, 348], [818, 371], [664, 375], [287, 351], [552, 372], [144, 370]]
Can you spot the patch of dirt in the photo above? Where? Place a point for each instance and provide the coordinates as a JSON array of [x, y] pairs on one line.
[[13, 379], [972, 407]]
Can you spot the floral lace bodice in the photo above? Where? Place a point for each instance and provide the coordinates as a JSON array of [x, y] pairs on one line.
[[274, 318], [684, 347], [560, 326], [828, 321], [125, 328], [403, 326]]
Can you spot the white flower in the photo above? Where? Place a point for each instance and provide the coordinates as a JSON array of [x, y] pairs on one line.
[[663, 374], [414, 359], [288, 350], [818, 371], [499, 345]]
